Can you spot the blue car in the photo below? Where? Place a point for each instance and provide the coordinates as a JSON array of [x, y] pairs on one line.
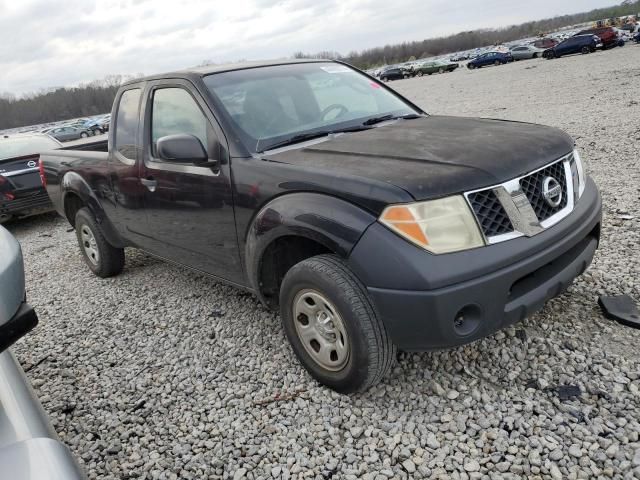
[[490, 58], [579, 44]]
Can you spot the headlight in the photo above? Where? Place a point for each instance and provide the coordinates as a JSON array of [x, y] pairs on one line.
[[439, 226], [578, 176]]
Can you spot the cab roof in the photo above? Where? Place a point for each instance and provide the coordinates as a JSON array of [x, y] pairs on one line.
[[210, 69]]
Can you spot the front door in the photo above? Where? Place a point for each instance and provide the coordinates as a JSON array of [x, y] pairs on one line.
[[189, 208]]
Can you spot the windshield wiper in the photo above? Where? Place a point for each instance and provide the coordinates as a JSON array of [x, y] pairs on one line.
[[301, 137], [390, 116]]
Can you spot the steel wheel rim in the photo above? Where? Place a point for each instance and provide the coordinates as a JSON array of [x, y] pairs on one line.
[[89, 244], [320, 330]]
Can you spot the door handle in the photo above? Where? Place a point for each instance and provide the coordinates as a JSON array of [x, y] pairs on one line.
[[150, 183]]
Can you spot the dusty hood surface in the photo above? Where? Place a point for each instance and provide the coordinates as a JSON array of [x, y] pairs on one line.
[[435, 156]]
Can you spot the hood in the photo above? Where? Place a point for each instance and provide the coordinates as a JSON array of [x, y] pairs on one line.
[[434, 156]]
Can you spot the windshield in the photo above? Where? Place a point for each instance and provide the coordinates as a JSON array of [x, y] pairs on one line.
[[268, 105], [20, 146]]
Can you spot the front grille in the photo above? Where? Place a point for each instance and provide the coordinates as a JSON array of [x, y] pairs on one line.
[[532, 187], [490, 213]]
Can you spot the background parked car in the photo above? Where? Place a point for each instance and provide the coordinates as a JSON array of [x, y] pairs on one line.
[[21, 190], [490, 58], [67, 133], [544, 43], [525, 52], [394, 73], [429, 68], [29, 446], [607, 35], [104, 124], [578, 44]]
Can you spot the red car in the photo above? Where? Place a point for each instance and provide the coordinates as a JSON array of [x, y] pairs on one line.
[[608, 36], [545, 43]]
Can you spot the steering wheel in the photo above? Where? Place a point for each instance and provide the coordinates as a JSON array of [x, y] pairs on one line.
[[336, 106]]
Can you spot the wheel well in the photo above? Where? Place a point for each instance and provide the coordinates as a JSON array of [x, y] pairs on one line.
[[282, 254], [72, 203]]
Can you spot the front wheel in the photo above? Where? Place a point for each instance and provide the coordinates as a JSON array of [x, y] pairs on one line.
[[441, 70], [496, 63], [101, 257], [586, 50], [419, 74], [84, 135], [332, 326]]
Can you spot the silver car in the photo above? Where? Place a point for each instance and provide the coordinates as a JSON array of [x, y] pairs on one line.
[[525, 52], [29, 447]]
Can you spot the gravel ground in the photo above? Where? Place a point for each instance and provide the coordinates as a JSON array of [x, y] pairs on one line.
[[162, 373]]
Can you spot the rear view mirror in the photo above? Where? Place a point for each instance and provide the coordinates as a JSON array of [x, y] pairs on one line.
[[182, 148]]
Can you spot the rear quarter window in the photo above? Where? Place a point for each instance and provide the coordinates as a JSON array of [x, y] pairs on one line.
[[128, 119]]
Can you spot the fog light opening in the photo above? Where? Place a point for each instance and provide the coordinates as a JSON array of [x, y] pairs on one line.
[[467, 320]]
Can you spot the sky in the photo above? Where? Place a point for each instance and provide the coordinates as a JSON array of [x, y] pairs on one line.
[[45, 43]]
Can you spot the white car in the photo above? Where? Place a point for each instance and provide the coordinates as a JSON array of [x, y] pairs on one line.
[[525, 52]]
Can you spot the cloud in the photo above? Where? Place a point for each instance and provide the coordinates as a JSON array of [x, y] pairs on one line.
[[45, 44]]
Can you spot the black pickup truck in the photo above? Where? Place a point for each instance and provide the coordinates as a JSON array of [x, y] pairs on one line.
[[371, 225]]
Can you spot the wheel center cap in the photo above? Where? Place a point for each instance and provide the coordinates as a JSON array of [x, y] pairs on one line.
[[325, 325]]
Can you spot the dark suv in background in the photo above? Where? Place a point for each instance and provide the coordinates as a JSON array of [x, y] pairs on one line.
[[394, 73], [608, 36], [577, 44]]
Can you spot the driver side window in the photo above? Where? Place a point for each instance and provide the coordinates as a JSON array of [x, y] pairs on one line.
[[174, 111]]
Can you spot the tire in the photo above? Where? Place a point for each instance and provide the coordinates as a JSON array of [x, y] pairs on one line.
[[419, 74], [585, 50], [101, 257], [441, 70], [335, 293], [97, 132], [496, 63], [535, 55], [84, 135]]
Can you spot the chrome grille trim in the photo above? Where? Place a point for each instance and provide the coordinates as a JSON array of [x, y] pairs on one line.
[[518, 207]]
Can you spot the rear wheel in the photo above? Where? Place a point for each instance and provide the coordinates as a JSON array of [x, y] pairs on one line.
[[496, 63], [419, 74], [535, 55], [101, 257], [441, 70], [332, 325]]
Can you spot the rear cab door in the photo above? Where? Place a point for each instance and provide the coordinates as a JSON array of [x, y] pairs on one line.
[[122, 197]]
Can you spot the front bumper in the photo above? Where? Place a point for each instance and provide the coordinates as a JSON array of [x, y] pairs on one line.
[[22, 322], [436, 301]]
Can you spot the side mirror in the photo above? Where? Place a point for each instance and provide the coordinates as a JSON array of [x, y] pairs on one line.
[[182, 148]]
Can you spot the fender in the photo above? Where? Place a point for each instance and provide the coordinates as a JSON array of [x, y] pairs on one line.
[[72, 182], [330, 221]]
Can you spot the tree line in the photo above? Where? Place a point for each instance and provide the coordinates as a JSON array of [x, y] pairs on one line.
[[59, 103], [398, 53]]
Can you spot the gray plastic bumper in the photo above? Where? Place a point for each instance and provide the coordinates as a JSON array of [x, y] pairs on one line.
[[435, 301]]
